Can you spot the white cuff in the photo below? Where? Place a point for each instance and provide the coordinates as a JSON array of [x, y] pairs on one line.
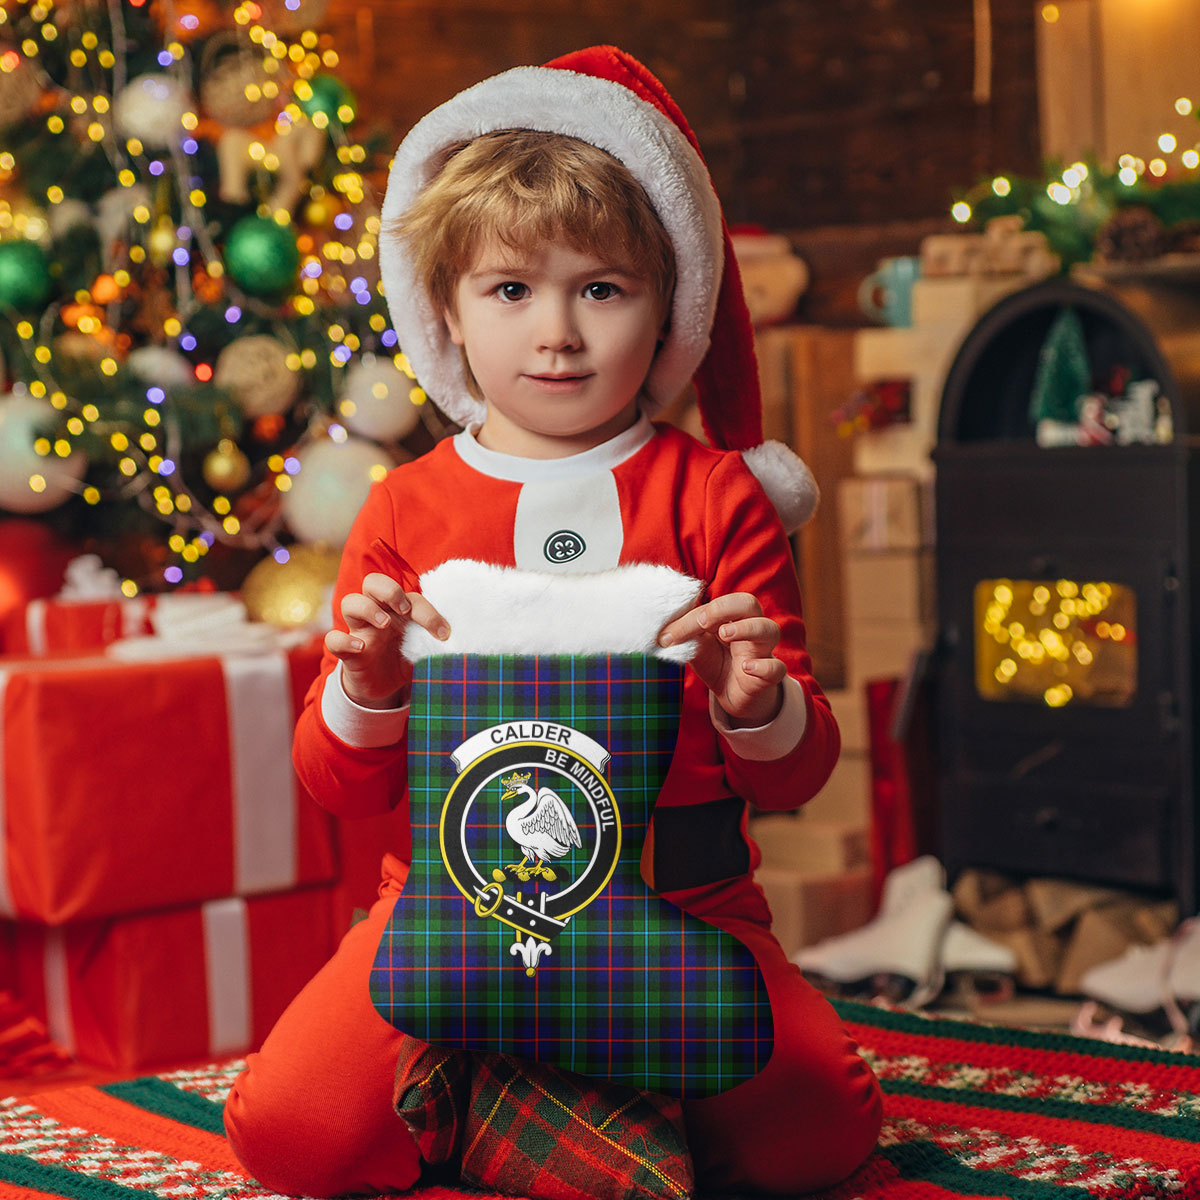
[[356, 725], [765, 743]]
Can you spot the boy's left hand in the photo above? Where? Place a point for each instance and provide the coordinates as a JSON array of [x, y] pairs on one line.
[[735, 656]]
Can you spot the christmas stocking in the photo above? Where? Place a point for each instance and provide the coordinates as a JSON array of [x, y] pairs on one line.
[[525, 926]]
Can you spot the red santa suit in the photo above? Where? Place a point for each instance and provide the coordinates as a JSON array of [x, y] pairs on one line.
[[313, 1111]]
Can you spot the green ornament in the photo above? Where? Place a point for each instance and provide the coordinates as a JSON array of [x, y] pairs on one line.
[[262, 256], [328, 95], [24, 275]]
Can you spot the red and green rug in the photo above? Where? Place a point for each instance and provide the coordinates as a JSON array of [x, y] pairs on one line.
[[972, 1110]]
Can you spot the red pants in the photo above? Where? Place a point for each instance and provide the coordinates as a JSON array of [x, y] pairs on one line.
[[312, 1112]]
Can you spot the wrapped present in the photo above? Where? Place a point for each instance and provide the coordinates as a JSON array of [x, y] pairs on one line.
[[177, 986], [130, 786], [52, 624]]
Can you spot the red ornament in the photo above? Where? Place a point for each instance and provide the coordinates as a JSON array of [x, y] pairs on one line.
[[32, 560]]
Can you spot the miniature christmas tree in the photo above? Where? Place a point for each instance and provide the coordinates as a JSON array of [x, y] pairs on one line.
[[193, 337], [1063, 375]]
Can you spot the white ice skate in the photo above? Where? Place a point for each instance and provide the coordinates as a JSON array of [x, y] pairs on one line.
[[898, 953]]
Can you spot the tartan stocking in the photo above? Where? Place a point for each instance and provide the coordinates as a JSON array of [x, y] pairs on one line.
[[525, 926]]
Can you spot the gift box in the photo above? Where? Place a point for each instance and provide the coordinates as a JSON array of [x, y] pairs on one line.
[[131, 786], [48, 625], [182, 985]]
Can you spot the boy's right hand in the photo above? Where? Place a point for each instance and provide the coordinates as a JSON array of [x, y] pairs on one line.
[[374, 674]]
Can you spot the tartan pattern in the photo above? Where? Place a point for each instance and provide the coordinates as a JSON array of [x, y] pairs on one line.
[[529, 1130], [633, 990]]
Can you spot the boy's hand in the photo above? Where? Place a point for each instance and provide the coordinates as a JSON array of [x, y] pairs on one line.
[[373, 672], [734, 655]]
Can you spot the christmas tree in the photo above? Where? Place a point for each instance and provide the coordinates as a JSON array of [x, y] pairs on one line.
[[196, 357]]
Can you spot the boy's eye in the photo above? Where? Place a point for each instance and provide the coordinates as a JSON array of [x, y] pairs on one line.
[[600, 291], [511, 291]]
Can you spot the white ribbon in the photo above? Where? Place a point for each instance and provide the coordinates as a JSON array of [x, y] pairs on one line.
[[227, 975], [258, 702], [57, 982], [35, 626]]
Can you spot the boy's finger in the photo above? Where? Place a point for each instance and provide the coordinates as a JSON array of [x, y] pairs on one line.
[[343, 645], [705, 618], [428, 617], [361, 612], [768, 670], [762, 632], [387, 593]]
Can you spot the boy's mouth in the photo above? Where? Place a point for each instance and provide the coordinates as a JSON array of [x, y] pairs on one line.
[[564, 382]]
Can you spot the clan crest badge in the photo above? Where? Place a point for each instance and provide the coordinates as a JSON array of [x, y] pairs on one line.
[[541, 786]]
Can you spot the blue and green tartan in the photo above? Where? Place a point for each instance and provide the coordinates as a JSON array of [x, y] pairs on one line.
[[633, 989]]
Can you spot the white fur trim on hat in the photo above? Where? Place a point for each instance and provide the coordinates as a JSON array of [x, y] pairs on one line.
[[619, 611], [604, 114], [786, 479]]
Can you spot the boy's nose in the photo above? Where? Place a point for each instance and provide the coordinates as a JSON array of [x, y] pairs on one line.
[[557, 328]]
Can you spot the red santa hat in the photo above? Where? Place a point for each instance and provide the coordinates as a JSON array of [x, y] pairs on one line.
[[607, 98]]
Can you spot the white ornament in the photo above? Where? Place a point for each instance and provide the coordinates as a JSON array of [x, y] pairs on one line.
[[66, 215], [330, 488], [375, 400], [151, 108], [114, 219], [162, 366], [255, 370], [29, 482]]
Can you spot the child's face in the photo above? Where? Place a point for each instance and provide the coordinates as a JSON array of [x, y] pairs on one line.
[[559, 342]]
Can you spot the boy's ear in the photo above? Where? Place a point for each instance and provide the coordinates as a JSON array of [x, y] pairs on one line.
[[453, 327]]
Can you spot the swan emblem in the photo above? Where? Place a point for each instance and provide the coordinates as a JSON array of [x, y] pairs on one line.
[[540, 824]]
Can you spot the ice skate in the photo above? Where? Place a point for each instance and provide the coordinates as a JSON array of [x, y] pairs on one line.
[[978, 965], [898, 953], [1152, 989]]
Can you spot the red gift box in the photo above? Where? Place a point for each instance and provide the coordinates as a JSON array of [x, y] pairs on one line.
[[132, 786], [173, 987], [52, 625]]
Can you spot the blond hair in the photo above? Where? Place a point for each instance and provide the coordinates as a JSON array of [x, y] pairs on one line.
[[520, 188]]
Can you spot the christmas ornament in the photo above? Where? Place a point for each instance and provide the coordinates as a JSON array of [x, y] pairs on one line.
[[162, 242], [295, 593], [262, 256], [188, 20], [20, 90], [236, 88], [225, 467], [328, 95], [32, 561], [289, 17], [79, 348], [114, 216], [24, 275], [29, 481], [1132, 234], [150, 108], [330, 488], [255, 370], [162, 366], [66, 215], [375, 400]]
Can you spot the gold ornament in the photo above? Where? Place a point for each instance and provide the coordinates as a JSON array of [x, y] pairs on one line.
[[162, 242], [236, 87], [255, 370], [226, 468], [295, 593]]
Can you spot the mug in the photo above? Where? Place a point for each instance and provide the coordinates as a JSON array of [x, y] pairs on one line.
[[886, 294]]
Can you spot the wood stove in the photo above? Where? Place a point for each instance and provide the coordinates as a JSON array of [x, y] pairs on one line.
[[1067, 663]]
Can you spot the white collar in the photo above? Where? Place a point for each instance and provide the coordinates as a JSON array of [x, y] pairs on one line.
[[514, 469]]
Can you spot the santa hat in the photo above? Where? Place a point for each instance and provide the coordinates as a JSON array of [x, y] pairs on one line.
[[607, 98]]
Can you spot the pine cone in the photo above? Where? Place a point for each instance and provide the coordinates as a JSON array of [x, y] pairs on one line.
[[1132, 234], [1184, 238]]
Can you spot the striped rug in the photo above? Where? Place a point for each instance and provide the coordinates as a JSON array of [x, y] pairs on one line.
[[972, 1111]]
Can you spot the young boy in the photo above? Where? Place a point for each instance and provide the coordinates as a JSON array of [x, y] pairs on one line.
[[557, 266]]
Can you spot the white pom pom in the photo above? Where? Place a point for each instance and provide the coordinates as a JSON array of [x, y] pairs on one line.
[[786, 479]]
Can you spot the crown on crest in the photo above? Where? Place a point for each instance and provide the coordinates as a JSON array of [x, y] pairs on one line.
[[515, 779]]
